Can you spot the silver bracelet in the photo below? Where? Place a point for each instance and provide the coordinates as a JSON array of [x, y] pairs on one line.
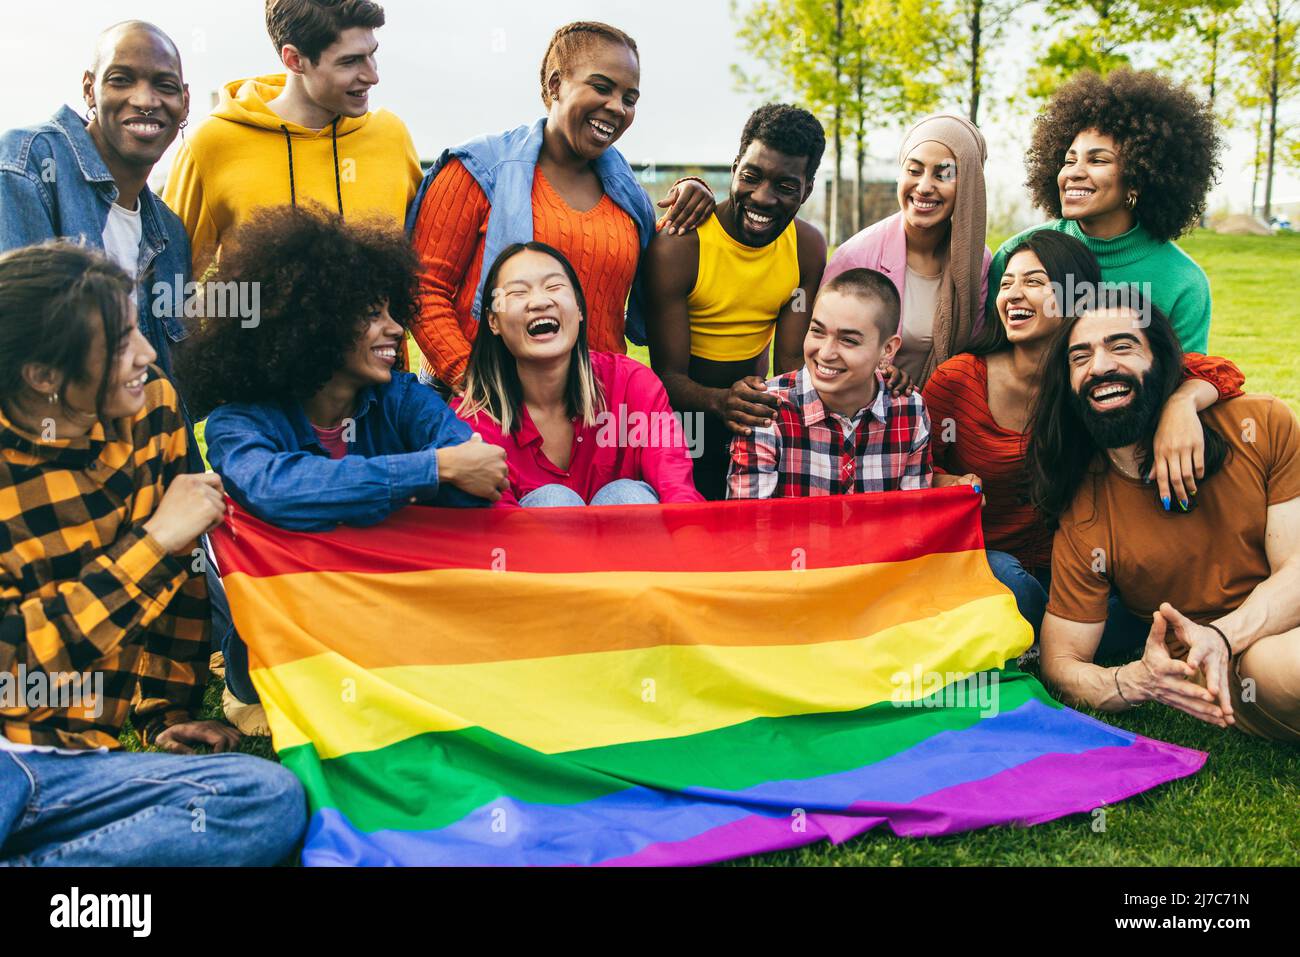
[[1120, 691]]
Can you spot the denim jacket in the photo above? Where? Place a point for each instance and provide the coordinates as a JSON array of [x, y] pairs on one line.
[[54, 184], [271, 460], [503, 165]]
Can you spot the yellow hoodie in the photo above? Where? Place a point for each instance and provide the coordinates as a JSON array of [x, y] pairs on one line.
[[239, 160]]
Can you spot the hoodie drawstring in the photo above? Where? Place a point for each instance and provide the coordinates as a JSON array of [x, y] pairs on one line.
[[288, 142], [338, 178]]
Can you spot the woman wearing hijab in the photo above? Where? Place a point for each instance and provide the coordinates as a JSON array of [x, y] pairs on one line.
[[933, 247]]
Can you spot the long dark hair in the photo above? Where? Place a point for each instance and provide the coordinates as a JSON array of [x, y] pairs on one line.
[[492, 376], [1061, 451], [1069, 265], [48, 294]]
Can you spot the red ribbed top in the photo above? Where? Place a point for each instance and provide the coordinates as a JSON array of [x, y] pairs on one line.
[[450, 234]]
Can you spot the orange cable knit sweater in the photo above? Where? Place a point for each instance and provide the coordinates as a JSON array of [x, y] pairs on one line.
[[450, 232]]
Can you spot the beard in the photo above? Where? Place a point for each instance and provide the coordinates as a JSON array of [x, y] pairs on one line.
[[1124, 426]]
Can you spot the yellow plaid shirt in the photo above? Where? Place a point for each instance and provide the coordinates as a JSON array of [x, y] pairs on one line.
[[85, 591]]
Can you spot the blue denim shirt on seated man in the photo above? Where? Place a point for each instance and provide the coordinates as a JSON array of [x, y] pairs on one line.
[[55, 185]]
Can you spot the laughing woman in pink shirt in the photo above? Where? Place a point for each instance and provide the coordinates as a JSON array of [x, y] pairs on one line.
[[578, 427]]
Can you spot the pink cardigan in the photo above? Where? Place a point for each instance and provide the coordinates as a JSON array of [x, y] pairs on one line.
[[882, 246], [637, 437]]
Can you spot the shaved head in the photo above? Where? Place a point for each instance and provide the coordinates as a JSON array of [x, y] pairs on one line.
[[107, 43]]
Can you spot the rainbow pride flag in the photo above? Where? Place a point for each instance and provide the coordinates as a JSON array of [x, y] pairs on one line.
[[658, 685]]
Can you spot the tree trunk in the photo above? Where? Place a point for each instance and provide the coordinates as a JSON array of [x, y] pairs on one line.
[[1214, 60], [860, 137], [836, 152], [977, 9], [833, 226], [837, 133], [1259, 152], [1276, 10]]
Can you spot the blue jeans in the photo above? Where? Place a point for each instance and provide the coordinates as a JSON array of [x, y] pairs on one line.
[[125, 809], [618, 492], [1123, 633]]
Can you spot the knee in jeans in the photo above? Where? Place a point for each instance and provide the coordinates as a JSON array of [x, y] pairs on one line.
[[273, 802]]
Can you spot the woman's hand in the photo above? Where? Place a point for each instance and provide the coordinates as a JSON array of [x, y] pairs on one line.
[[193, 505], [689, 203], [1179, 453], [944, 480], [475, 467]]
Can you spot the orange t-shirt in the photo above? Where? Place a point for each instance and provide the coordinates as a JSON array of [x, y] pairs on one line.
[[450, 234], [1205, 562]]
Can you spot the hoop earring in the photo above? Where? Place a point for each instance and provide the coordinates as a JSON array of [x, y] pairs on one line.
[[92, 113], [1131, 201]]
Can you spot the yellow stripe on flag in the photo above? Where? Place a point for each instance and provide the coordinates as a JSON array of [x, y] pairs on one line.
[[576, 701]]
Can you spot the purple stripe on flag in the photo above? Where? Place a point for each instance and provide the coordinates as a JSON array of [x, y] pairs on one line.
[[1046, 788]]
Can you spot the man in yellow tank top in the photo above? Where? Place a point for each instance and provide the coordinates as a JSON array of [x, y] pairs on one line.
[[744, 282]]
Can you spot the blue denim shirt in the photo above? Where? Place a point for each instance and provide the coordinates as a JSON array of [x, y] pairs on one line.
[[503, 165], [272, 463], [54, 184]]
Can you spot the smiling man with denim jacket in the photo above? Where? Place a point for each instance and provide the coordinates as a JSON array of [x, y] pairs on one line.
[[87, 181]]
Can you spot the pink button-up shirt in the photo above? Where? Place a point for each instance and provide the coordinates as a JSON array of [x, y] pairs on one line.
[[637, 436]]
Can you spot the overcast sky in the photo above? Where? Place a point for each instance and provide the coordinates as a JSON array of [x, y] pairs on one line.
[[454, 70]]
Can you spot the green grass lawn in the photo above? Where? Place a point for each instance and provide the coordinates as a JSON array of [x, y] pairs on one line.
[[1243, 808]]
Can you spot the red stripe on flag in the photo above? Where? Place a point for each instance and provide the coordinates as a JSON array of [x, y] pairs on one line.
[[772, 535]]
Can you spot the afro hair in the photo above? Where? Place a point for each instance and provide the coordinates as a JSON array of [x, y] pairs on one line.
[[1167, 137], [317, 279]]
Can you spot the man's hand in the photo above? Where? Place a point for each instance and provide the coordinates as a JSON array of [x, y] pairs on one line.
[[748, 405], [689, 203], [943, 480], [192, 506], [897, 381], [1179, 453], [181, 738], [1207, 653], [476, 467], [1163, 678]]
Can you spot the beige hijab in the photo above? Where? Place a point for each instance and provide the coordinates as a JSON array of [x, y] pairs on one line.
[[959, 305]]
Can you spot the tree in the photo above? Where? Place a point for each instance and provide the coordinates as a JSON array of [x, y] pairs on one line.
[[854, 63], [1207, 26], [1266, 43], [983, 22], [1099, 37]]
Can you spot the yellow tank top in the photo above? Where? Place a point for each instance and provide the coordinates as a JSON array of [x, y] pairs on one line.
[[738, 292]]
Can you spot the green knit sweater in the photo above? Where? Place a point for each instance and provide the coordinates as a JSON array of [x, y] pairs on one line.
[[1178, 286]]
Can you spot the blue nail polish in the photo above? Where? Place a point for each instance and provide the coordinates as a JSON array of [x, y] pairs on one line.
[[1164, 500], [1182, 503], [977, 489]]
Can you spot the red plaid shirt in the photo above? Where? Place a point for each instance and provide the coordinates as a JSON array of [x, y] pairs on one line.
[[809, 450]]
